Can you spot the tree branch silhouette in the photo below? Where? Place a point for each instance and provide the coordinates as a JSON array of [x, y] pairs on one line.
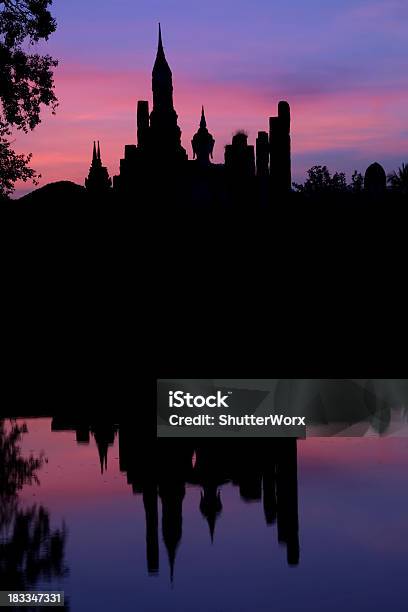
[[26, 81]]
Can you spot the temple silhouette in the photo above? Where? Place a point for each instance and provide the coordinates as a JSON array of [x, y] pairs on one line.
[[98, 178], [159, 168], [159, 152]]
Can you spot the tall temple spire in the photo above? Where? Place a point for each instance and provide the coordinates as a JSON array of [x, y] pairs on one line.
[[94, 158], [161, 65], [203, 122], [162, 80], [99, 152], [164, 132], [160, 45]]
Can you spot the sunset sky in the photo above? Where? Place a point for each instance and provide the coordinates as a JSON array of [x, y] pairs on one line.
[[342, 65]]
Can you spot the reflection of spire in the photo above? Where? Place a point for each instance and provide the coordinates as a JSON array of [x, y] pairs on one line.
[[104, 436], [152, 541], [269, 493], [210, 507], [287, 498], [260, 470], [103, 454], [172, 558], [172, 495]]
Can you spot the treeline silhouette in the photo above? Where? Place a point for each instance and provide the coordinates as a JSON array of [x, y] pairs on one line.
[[199, 226]]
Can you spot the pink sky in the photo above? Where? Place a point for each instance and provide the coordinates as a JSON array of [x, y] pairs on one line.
[[101, 105], [341, 65]]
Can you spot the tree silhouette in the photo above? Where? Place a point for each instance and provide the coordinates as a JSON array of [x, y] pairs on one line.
[[15, 470], [399, 180], [357, 182], [13, 167], [29, 549], [26, 81], [320, 181]]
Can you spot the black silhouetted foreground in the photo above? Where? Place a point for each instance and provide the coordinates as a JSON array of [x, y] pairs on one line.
[[191, 268]]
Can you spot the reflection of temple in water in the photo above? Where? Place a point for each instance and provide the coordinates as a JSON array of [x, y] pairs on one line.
[[264, 471], [103, 432]]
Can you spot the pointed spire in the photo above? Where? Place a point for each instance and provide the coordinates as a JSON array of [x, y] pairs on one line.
[[161, 62], [98, 177], [203, 142], [203, 122], [211, 507], [172, 559], [211, 524], [160, 48], [160, 38], [102, 447]]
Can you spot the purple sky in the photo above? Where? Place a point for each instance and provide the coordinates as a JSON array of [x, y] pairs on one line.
[[342, 65]]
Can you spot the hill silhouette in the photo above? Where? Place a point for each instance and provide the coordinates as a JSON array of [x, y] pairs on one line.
[[54, 193]]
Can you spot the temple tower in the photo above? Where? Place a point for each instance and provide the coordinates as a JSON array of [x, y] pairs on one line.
[[240, 157], [280, 149], [143, 124], [262, 154], [165, 134], [375, 180], [162, 80], [203, 143], [98, 178]]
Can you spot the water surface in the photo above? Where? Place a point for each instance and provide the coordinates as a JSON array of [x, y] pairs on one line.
[[320, 527]]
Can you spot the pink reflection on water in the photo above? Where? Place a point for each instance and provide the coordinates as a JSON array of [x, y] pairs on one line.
[[72, 471]]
